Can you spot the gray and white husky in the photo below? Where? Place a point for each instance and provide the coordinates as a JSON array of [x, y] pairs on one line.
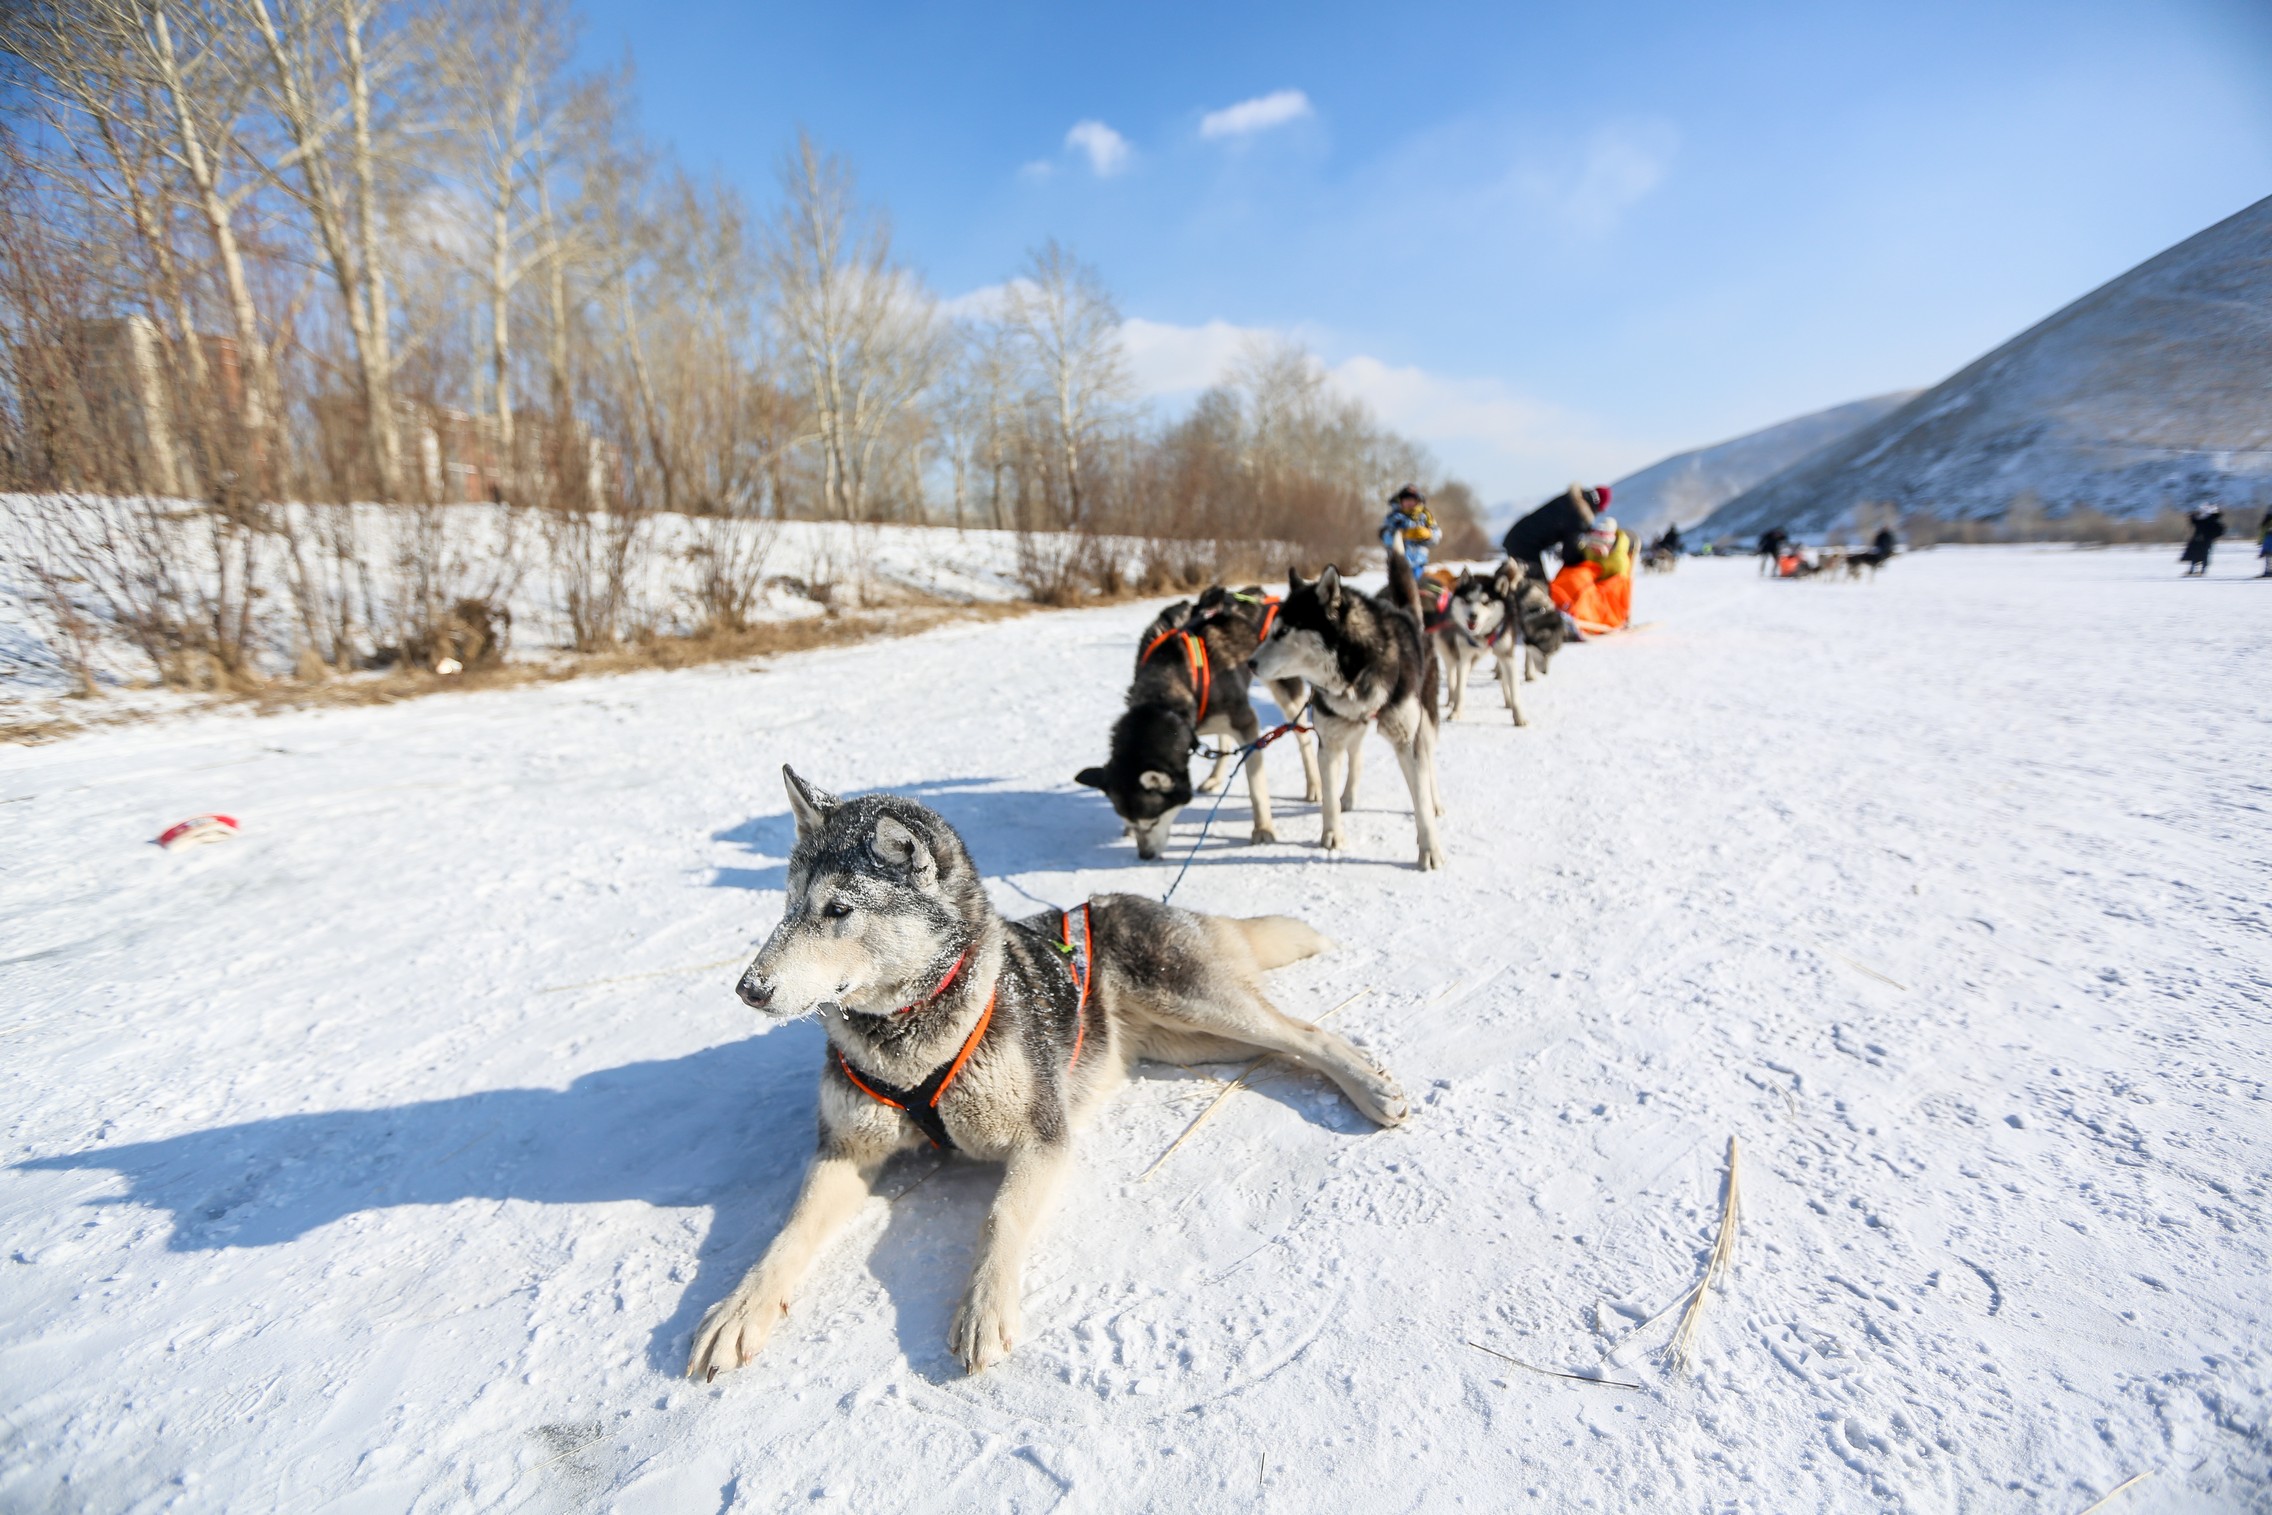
[[996, 1038], [1365, 659], [1509, 615]]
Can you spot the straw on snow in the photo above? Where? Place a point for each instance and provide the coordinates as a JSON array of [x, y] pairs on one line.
[[2118, 1488], [1237, 1084], [1683, 1349]]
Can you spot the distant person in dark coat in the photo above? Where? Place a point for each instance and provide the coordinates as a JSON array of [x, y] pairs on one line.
[[1772, 541], [2264, 542], [2208, 525], [1883, 543]]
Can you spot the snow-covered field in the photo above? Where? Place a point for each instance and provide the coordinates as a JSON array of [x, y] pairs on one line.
[[384, 1158]]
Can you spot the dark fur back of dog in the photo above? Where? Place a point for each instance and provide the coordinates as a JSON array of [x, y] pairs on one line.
[[1527, 600]]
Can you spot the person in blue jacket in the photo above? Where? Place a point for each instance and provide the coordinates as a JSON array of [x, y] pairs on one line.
[[1409, 527]]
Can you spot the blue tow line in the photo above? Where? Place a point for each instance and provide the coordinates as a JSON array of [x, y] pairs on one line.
[[1245, 752]]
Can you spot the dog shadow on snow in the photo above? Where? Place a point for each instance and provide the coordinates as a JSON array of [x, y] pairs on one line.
[[1014, 831], [725, 1129]]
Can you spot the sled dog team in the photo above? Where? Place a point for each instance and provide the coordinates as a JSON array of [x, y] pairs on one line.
[[952, 1026]]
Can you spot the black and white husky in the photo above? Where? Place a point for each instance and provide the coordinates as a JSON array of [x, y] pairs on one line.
[[997, 1038], [1365, 659], [1193, 668], [1509, 615]]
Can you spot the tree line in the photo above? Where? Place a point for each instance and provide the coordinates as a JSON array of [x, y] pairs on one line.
[[261, 260]]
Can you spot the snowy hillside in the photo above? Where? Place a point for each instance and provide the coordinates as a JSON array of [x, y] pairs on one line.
[[2147, 394], [1688, 486], [384, 1158]]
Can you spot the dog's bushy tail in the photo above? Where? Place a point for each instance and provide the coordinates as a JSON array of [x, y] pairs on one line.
[[1403, 588], [1276, 940]]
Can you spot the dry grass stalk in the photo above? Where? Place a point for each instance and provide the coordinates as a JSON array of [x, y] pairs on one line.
[[2108, 1496], [1234, 1086], [1607, 1383], [1683, 1349], [1872, 972]]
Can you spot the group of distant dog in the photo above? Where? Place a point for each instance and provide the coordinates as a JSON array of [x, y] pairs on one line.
[[1784, 558], [951, 1026]]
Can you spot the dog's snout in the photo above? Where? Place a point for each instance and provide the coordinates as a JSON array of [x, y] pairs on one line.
[[754, 990]]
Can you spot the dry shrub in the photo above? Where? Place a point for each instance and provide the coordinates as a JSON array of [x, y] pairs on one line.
[[597, 559], [728, 557]]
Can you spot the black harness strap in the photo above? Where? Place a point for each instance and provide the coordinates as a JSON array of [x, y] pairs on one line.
[[921, 1103]]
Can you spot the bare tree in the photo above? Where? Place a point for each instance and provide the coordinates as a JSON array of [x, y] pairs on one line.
[[334, 67], [1069, 329], [865, 335]]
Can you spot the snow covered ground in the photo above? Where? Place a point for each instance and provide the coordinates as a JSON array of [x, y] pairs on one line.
[[384, 1158]]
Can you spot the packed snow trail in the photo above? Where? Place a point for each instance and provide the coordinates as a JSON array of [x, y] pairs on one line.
[[384, 1157]]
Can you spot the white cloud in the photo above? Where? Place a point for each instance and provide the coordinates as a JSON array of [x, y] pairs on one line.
[[1169, 360], [1509, 444], [1618, 168], [1108, 150], [1256, 115]]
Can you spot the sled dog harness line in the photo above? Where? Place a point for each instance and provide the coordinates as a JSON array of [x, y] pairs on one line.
[[1081, 963], [1194, 658], [921, 1103]]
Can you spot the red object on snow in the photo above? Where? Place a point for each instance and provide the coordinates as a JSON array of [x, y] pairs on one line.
[[198, 828]]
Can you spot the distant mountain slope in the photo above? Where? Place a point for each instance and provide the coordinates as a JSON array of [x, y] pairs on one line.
[[2152, 391], [1688, 485]]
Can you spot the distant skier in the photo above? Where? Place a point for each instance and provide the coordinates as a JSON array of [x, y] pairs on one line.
[[1409, 527], [2208, 525]]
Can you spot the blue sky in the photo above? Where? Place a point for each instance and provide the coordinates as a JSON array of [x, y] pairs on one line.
[[1551, 241]]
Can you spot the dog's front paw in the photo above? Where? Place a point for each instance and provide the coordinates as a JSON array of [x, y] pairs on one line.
[[1310, 795], [1383, 1102], [1431, 857], [1263, 832], [1330, 840], [985, 1327], [733, 1331]]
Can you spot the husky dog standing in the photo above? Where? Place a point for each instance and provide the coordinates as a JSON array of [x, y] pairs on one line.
[[1365, 658], [1480, 617], [949, 1024], [1257, 612], [1192, 673]]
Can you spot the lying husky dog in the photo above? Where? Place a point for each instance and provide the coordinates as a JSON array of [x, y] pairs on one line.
[[1365, 658], [1192, 672], [947, 1023]]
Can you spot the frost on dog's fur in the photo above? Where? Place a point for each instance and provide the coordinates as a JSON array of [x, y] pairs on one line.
[[882, 902]]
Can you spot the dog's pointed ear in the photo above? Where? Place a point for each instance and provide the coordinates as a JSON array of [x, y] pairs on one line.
[[895, 845], [1156, 780], [1091, 777], [1295, 583], [1329, 586], [813, 806]]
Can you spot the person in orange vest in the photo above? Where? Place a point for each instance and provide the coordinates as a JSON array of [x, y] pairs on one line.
[[1595, 593]]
